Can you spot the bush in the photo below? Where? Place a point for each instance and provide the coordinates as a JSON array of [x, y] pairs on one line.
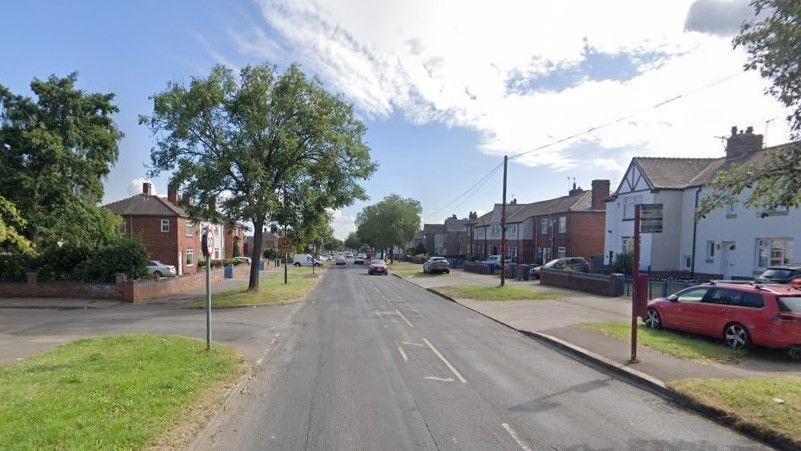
[[270, 254], [14, 266], [61, 263], [127, 256], [623, 263]]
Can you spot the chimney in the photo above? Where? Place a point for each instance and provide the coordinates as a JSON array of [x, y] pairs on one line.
[[172, 193], [600, 192], [147, 189], [740, 144], [575, 190]]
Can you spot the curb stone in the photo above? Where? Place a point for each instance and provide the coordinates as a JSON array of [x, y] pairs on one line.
[[643, 381], [230, 400]]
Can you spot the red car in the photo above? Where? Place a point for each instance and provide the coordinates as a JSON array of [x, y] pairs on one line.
[[740, 314], [377, 266]]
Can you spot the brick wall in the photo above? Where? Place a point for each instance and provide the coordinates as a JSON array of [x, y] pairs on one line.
[[603, 284], [586, 234]]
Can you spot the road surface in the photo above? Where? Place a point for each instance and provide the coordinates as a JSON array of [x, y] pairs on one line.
[[374, 362]]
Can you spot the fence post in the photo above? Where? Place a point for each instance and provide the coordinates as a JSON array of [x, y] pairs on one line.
[[664, 288]]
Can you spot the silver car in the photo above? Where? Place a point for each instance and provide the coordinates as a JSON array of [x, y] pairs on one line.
[[436, 265]]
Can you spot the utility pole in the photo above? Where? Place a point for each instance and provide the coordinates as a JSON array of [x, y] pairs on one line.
[[503, 225]]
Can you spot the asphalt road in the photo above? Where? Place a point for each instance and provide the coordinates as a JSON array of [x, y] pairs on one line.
[[374, 362]]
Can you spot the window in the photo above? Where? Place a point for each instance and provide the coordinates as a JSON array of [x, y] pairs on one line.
[[688, 261], [562, 252], [732, 210], [124, 229], [692, 295], [781, 210], [628, 206], [190, 257], [752, 300], [710, 250], [217, 254], [562, 224], [165, 225], [627, 245], [544, 226], [773, 252], [190, 229]]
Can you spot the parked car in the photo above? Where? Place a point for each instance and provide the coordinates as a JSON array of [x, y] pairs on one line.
[[305, 260], [159, 269], [377, 266], [781, 274], [742, 314], [349, 255], [569, 263], [340, 260], [359, 260], [494, 261], [247, 260], [436, 265]]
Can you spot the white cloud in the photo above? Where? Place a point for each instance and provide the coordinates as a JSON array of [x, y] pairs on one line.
[[450, 62], [135, 186], [342, 223]]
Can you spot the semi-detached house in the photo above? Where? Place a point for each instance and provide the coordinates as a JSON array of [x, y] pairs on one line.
[[730, 242]]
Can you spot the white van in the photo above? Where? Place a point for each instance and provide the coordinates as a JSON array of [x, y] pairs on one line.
[[304, 260]]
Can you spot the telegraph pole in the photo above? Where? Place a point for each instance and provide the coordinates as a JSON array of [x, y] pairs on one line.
[[503, 225]]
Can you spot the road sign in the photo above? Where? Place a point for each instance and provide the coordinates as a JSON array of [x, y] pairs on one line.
[[651, 218], [207, 241]]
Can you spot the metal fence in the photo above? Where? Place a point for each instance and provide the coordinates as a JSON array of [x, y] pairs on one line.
[[658, 288]]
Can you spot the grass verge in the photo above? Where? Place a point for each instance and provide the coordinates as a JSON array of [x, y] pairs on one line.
[[685, 346], [495, 293], [272, 289], [123, 391], [771, 404], [406, 269]]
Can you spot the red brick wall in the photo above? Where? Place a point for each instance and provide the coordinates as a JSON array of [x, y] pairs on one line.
[[586, 230], [592, 283], [165, 246], [187, 243]]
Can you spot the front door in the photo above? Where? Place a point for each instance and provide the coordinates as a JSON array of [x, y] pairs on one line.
[[727, 259], [180, 263]]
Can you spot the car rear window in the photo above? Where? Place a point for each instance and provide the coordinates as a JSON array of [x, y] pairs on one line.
[[790, 304], [777, 273]]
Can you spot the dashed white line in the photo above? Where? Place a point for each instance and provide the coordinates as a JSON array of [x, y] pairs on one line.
[[512, 432], [403, 354], [404, 318], [412, 344], [445, 361], [441, 379]]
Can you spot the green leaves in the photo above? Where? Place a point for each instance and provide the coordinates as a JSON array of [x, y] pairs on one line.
[[391, 222]]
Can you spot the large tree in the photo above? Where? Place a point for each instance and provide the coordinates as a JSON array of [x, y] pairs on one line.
[[254, 138], [56, 151], [390, 222], [773, 43], [353, 241], [11, 240]]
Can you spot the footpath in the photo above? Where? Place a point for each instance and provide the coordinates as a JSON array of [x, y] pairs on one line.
[[578, 323]]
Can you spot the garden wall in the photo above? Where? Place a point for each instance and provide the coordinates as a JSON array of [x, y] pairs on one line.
[[604, 284]]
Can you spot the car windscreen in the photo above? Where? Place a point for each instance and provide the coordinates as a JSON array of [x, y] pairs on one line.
[[378, 262], [551, 263], [777, 273], [790, 304]]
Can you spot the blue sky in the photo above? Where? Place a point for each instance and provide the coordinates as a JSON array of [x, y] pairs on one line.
[[445, 90]]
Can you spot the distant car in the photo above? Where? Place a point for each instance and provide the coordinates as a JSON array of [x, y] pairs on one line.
[[577, 264], [349, 255], [247, 260], [377, 266], [340, 260], [494, 261], [436, 265], [781, 274], [305, 260], [742, 314], [159, 269], [359, 260]]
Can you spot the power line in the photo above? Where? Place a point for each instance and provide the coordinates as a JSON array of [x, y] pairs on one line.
[[472, 189]]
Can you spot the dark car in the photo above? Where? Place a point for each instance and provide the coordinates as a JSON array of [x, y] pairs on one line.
[[781, 274], [577, 264], [377, 266]]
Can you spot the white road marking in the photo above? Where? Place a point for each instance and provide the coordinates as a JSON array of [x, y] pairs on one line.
[[404, 318], [441, 379], [403, 354], [412, 344], [445, 361], [512, 432]]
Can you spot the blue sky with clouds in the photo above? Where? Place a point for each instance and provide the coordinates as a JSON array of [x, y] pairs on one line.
[[445, 88]]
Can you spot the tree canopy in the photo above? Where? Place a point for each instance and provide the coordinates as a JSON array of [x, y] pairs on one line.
[[11, 240], [390, 222], [266, 140], [773, 43], [57, 149]]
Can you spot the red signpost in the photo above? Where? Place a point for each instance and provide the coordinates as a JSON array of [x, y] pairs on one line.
[[647, 219]]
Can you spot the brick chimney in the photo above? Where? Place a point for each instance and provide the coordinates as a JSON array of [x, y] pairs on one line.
[[600, 192], [172, 193], [739, 144], [575, 190], [147, 189]]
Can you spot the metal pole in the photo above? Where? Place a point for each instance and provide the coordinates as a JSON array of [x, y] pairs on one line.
[[635, 289], [503, 226], [208, 301]]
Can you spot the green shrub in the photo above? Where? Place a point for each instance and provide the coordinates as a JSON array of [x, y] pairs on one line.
[[14, 266], [270, 254], [623, 263], [127, 256], [61, 263]]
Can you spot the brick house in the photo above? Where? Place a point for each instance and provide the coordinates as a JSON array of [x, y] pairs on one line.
[[163, 226], [434, 239], [567, 226], [234, 236], [456, 238], [269, 240]]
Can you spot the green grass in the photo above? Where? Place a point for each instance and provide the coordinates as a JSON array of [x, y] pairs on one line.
[[495, 292], [124, 391], [406, 269], [272, 289], [685, 346], [751, 400]]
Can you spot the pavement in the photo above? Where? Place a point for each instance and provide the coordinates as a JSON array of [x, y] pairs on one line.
[[563, 319], [375, 362]]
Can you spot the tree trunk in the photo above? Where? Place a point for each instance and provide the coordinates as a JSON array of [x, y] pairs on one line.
[[253, 282]]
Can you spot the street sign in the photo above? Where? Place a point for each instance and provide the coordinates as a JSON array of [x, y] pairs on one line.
[[207, 242], [651, 218]]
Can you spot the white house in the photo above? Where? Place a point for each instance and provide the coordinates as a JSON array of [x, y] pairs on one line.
[[734, 241]]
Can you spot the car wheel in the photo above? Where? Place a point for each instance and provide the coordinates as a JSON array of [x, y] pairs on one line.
[[297, 264], [653, 320], [158, 274], [447, 271], [736, 336], [795, 352]]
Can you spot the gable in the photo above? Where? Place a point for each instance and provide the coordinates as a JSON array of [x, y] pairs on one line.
[[633, 180]]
